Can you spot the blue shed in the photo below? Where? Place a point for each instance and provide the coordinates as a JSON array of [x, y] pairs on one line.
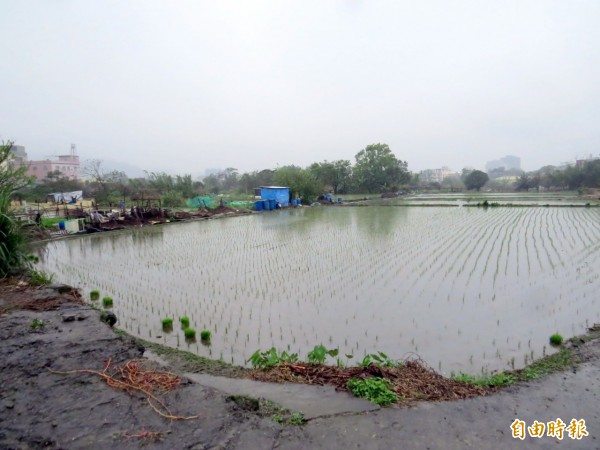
[[278, 193]]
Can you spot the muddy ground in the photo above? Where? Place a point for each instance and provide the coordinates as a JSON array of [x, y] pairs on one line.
[[40, 408]]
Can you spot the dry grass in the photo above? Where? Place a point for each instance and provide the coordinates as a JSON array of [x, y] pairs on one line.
[[412, 381]]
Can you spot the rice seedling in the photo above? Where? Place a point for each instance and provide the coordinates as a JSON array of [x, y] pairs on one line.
[[94, 295], [185, 321], [205, 335], [107, 302], [167, 323], [189, 333], [386, 272], [556, 340]]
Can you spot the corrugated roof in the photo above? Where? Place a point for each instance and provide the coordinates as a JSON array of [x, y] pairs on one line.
[[274, 187]]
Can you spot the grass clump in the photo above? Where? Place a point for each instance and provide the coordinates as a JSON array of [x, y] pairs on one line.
[[185, 321], [205, 335], [39, 277], [549, 364], [189, 333], [94, 295], [296, 418], [107, 302], [376, 390], [556, 339], [167, 322]]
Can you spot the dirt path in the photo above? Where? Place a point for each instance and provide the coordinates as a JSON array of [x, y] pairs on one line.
[[42, 409]]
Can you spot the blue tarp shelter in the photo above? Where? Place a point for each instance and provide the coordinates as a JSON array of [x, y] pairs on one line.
[[67, 197], [278, 193]]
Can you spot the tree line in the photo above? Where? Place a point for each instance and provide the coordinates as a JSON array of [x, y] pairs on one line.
[[376, 169]]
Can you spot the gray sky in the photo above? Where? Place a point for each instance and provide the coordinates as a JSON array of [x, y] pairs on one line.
[[182, 86]]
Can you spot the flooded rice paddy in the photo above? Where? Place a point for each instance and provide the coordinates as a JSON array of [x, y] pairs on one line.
[[466, 289]]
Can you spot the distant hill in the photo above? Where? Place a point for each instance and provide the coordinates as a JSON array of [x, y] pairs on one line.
[[131, 170]]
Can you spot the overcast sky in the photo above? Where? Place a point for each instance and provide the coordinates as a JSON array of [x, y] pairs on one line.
[[183, 86]]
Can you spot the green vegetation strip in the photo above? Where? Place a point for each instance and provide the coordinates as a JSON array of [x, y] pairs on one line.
[[377, 378], [557, 362]]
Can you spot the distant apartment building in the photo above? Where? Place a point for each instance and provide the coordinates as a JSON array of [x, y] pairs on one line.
[[67, 165], [435, 175], [508, 163]]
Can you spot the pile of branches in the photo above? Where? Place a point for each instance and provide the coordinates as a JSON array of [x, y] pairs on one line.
[[412, 380], [133, 377]]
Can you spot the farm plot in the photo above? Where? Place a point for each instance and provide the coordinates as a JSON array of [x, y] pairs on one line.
[[465, 289]]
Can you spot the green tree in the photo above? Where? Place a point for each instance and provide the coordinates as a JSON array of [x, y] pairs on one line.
[[378, 170], [336, 174], [251, 180], [228, 179], [302, 183], [161, 181], [13, 242], [212, 184], [185, 185], [475, 179]]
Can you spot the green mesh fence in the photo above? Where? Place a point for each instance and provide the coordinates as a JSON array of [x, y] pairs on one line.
[[200, 202]]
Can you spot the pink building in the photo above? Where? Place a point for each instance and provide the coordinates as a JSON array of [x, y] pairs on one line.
[[67, 165]]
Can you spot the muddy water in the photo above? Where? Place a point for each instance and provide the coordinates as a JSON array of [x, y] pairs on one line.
[[466, 289]]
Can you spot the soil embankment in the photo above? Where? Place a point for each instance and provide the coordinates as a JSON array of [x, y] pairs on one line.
[[44, 332]]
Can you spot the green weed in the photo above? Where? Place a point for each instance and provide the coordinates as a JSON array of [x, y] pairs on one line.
[[550, 364], [40, 278], [37, 324], [285, 418], [379, 359], [297, 418], [376, 390], [270, 358], [319, 353], [496, 380]]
